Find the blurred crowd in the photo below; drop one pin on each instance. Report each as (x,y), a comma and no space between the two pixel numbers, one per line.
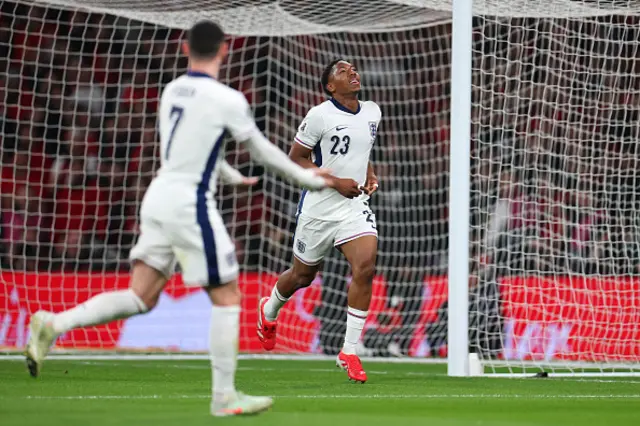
(554,130)
(78,135)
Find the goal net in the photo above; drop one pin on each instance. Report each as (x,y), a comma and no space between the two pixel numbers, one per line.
(554,232)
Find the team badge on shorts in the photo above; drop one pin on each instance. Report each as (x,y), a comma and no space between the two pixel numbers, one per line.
(301,246)
(373,129)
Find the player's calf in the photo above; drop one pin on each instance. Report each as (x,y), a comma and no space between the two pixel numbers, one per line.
(362,273)
(361,254)
(299,276)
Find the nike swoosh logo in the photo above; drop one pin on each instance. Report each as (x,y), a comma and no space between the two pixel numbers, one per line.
(340,128)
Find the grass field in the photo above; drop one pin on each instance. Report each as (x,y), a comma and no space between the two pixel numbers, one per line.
(162,393)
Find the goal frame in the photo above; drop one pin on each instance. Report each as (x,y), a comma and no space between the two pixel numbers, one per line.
(459,188)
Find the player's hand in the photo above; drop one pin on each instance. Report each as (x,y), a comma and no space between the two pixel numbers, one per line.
(326,176)
(371,185)
(348,188)
(249,181)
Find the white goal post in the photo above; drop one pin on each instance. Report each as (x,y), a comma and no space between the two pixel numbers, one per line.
(507,157)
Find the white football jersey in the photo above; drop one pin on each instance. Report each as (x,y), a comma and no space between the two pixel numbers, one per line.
(341,141)
(195,111)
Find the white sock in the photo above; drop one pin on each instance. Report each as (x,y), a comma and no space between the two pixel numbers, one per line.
(355,323)
(100,309)
(274,304)
(223,348)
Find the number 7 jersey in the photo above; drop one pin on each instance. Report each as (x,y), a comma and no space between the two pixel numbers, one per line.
(195,113)
(341,140)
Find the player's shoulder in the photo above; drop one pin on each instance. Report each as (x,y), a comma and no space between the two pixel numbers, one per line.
(318,113)
(371,107)
(321,109)
(208,87)
(232,96)
(225,94)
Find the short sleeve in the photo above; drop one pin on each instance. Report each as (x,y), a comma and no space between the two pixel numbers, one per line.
(310,130)
(240,120)
(378,111)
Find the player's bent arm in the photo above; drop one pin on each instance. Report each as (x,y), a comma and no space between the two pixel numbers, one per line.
(371,185)
(274,159)
(370,172)
(301,155)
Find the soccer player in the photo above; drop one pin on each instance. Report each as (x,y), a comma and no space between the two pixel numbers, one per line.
(338,134)
(179,221)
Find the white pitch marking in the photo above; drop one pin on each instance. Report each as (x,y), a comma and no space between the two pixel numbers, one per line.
(371,396)
(587,380)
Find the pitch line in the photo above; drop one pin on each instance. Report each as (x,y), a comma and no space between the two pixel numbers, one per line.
(331,396)
(333,370)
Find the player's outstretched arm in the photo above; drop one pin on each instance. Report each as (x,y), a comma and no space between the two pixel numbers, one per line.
(233,177)
(301,155)
(243,128)
(277,161)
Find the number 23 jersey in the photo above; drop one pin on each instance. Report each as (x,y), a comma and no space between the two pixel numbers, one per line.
(341,140)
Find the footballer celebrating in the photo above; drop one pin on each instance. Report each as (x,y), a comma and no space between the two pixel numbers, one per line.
(179,220)
(338,134)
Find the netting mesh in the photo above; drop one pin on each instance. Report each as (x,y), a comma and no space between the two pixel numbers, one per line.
(554,130)
(273,17)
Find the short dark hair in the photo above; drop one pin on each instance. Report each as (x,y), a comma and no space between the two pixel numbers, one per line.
(324,80)
(205,38)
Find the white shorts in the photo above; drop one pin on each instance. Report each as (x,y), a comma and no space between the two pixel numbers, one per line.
(315,237)
(206,254)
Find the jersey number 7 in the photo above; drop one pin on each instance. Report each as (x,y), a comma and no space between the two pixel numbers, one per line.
(175,117)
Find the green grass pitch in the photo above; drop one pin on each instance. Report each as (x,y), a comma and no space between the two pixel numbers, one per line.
(162,393)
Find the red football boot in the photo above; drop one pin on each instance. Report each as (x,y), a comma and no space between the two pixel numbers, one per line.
(352,365)
(266,330)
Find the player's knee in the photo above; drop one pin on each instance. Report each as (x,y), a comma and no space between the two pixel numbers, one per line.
(225,295)
(149,299)
(231,295)
(364,271)
(147,283)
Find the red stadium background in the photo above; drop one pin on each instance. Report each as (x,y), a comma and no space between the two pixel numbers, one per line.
(567,318)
